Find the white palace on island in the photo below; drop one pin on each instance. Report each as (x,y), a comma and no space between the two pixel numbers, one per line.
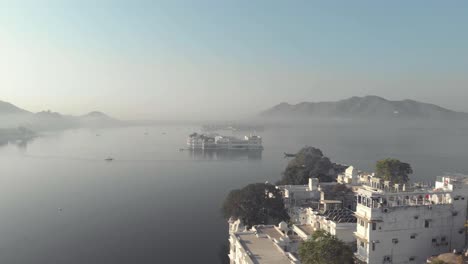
(382,222)
(214,141)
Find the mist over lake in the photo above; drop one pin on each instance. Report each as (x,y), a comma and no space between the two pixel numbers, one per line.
(62,203)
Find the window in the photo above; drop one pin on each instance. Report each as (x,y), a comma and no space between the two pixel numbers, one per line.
(374,226)
(412,258)
(426,223)
(413,236)
(443,239)
(416,217)
(387,259)
(361,222)
(362,244)
(434,240)
(455,213)
(373,246)
(395,241)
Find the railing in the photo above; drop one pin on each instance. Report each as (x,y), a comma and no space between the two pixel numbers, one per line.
(361,254)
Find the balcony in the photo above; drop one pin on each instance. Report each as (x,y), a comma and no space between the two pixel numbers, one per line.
(361,254)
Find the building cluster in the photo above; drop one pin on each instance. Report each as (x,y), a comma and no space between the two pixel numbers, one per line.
(215,141)
(382,222)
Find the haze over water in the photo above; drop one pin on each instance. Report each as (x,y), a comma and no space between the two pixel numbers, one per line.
(62,203)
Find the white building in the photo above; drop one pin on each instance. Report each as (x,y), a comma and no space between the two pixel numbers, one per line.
(318,196)
(201,141)
(398,224)
(214,141)
(353,176)
(338,222)
(299,195)
(248,142)
(350,176)
(266,244)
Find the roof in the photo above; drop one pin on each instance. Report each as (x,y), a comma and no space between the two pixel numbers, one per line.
(340,215)
(330,202)
(307,229)
(262,249)
(270,231)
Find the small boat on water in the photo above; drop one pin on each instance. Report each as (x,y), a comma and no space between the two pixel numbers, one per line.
(109,159)
(289,155)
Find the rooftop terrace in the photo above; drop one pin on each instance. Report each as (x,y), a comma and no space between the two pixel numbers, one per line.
(261,245)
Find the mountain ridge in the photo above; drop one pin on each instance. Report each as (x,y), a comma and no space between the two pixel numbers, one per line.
(370,106)
(12,116)
(9,108)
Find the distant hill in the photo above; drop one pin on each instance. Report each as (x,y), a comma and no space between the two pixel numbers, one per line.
(96,115)
(12,116)
(363,107)
(7,108)
(97,119)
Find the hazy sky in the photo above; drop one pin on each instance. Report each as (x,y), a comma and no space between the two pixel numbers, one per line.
(184,59)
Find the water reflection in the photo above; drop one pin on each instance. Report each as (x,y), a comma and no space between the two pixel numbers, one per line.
(225,154)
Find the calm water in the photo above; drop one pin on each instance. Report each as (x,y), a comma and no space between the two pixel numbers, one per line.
(154,204)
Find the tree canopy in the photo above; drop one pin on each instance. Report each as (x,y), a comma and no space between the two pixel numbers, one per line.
(308,163)
(324,248)
(341,193)
(258,203)
(393,170)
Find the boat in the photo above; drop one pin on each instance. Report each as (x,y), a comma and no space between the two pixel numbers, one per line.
(289,155)
(109,159)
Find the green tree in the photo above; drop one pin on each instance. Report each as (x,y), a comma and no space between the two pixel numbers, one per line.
(324,248)
(308,163)
(258,203)
(393,170)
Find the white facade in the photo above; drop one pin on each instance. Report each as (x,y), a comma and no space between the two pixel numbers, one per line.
(353,176)
(302,193)
(202,141)
(340,223)
(397,225)
(318,196)
(350,176)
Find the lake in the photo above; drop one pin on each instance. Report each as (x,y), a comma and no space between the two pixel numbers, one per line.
(62,203)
